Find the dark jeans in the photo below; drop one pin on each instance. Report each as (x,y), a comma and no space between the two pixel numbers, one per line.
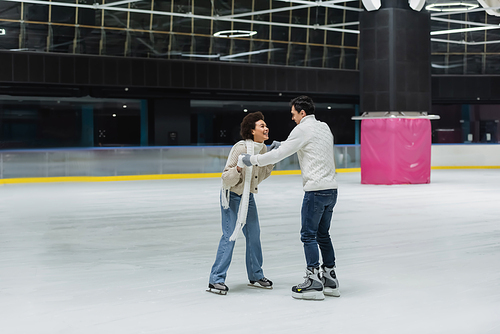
(317,211)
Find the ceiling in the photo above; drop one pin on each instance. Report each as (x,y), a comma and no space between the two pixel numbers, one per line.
(283,32)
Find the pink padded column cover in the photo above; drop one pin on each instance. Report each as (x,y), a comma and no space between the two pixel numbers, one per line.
(395,151)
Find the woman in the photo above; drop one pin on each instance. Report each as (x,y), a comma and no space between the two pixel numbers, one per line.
(235,212)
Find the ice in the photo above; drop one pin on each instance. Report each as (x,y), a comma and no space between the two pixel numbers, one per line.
(134,257)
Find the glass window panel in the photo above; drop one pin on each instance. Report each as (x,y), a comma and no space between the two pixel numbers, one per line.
(203,27)
(159,45)
(474,64)
(332,57)
(141,44)
(492,64)
(89,42)
(438,64)
(241,26)
(62,38)
(278,57)
(221,45)
(297,55)
(299,35)
(439,47)
(299,16)
(37,13)
(279,33)
(282,17)
(115,43)
(140,21)
(181,24)
(350,59)
(36,37)
(88,17)
(315,56)
(456,64)
(180,44)
(240,50)
(351,39)
(316,36)
(202,47)
(162,22)
(456,48)
(10,10)
(10,40)
(262,31)
(115,19)
(63,14)
(333,38)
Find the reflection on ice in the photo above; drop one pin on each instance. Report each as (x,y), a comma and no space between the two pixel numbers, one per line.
(134,257)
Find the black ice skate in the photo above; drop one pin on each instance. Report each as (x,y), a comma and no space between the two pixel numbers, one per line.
(262,283)
(330,282)
(312,288)
(218,288)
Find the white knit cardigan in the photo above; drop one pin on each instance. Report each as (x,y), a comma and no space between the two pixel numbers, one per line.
(251,148)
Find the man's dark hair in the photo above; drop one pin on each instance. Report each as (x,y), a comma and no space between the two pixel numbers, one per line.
(303,103)
(248,124)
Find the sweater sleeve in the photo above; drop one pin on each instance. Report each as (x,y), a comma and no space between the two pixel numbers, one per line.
(291,145)
(230,175)
(266,170)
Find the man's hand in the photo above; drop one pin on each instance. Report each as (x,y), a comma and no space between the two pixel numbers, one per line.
(274,145)
(245,159)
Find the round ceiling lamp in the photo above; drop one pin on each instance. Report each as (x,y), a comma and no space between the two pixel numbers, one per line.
(451,6)
(235,33)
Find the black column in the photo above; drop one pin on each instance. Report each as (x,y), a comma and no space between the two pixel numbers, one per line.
(172,122)
(395,67)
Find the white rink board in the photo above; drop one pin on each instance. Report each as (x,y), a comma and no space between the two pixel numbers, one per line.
(465,155)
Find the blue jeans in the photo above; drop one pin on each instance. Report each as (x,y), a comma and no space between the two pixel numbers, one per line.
(251,230)
(317,211)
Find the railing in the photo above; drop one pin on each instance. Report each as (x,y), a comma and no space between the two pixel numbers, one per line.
(137,161)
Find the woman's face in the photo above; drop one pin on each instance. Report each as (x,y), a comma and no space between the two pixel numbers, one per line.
(261,132)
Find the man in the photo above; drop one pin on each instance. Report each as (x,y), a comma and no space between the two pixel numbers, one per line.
(312,140)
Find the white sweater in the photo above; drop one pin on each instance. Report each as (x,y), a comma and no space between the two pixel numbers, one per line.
(313,142)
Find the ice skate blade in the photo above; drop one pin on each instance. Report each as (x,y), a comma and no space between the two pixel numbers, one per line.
(217,292)
(255,285)
(313,295)
(332,292)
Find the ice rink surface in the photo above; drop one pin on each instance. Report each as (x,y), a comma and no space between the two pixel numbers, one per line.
(134,257)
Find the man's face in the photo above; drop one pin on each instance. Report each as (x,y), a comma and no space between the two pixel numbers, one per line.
(297,115)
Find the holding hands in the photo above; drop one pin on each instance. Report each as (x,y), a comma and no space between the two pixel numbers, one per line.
(244,160)
(240,163)
(274,145)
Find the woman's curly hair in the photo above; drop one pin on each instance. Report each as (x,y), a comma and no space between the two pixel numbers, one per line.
(248,124)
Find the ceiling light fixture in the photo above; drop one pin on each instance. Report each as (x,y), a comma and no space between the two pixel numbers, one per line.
(454,31)
(2,32)
(235,33)
(451,6)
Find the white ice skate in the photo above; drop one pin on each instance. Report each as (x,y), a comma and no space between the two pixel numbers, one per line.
(330,282)
(312,288)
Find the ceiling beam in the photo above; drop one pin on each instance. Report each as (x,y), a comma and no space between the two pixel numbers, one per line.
(188,15)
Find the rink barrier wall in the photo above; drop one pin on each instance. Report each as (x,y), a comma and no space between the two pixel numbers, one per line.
(188,162)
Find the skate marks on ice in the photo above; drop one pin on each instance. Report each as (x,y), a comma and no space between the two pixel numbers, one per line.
(134,257)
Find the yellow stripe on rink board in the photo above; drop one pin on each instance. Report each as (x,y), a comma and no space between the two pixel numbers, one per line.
(465,167)
(182,176)
(141,177)
(108,178)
